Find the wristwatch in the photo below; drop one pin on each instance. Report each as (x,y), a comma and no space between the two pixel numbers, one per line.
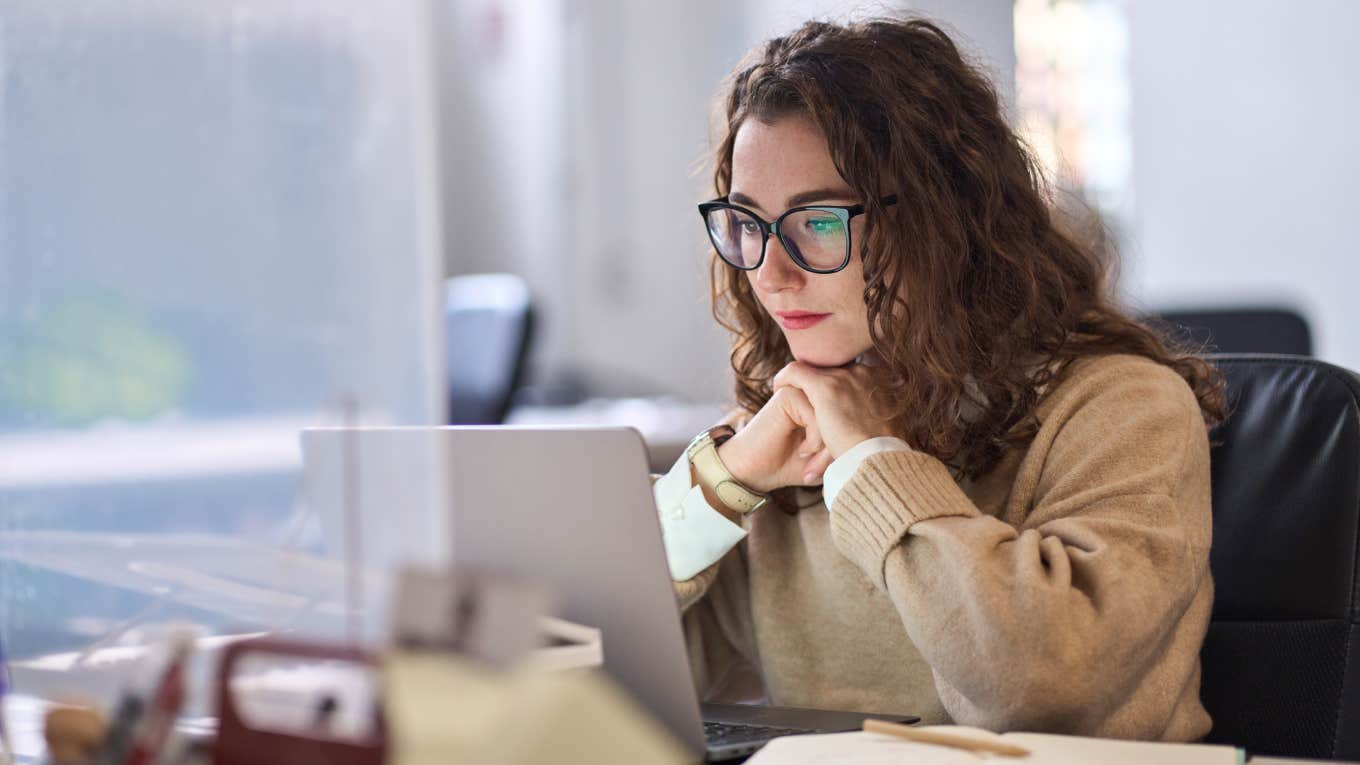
(703,455)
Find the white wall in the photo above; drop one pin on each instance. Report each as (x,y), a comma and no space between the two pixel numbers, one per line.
(643,79)
(1246,159)
(985,29)
(503,114)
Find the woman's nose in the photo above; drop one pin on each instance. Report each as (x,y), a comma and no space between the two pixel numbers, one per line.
(778,272)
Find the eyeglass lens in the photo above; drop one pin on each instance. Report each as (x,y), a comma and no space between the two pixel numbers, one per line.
(816,237)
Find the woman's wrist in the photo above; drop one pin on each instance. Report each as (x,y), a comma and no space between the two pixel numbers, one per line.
(733,458)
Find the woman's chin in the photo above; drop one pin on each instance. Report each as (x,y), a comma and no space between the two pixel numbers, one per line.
(825,357)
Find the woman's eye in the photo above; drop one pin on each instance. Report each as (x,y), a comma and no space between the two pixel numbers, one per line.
(825,226)
(750,228)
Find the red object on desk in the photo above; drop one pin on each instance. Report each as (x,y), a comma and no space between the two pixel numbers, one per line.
(238,744)
(165,707)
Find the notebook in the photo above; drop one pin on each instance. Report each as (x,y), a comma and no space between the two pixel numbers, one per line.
(862,748)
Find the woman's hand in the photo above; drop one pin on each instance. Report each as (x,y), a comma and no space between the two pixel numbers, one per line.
(841,403)
(780,446)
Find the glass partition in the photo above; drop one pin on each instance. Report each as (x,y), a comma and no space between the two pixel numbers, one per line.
(217,226)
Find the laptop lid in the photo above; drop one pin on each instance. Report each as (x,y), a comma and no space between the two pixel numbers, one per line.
(572,507)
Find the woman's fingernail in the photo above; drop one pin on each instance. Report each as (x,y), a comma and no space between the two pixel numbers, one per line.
(809,477)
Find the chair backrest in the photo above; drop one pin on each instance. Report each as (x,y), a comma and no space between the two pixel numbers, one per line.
(1242,330)
(1282,659)
(488,326)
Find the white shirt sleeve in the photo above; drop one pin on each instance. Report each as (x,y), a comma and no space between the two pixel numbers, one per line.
(843,468)
(696,536)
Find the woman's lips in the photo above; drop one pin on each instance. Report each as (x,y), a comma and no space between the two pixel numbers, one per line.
(799,319)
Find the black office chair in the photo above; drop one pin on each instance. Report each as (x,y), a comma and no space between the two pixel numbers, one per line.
(1282,657)
(1241,330)
(488,326)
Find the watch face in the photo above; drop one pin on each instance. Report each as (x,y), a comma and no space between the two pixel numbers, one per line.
(716,434)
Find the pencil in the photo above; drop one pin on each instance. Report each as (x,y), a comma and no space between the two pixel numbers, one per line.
(942,738)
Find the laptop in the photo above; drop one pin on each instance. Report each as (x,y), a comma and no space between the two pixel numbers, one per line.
(572,507)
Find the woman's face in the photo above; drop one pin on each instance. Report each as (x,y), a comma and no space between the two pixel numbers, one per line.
(788,164)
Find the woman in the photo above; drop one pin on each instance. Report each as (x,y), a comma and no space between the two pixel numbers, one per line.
(1013,523)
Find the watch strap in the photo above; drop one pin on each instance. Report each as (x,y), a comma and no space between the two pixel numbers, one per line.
(703,455)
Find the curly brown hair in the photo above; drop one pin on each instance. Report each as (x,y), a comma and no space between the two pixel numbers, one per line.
(1004,295)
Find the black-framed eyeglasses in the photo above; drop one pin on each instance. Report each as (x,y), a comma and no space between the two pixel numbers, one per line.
(817,237)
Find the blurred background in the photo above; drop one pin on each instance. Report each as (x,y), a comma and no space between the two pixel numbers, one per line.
(225,220)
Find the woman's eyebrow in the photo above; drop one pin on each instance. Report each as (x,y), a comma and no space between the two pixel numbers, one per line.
(799,199)
(738,198)
(820,195)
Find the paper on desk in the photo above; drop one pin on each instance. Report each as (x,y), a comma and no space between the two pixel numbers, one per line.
(857,748)
(860,748)
(441,709)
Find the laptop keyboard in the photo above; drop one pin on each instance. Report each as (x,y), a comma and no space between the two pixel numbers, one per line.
(717,733)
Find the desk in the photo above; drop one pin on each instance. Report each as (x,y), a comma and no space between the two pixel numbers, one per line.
(25,716)
(1290,761)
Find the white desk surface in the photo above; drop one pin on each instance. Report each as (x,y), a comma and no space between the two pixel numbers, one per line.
(1288,761)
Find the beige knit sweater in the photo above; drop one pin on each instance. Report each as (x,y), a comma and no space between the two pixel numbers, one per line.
(1068,590)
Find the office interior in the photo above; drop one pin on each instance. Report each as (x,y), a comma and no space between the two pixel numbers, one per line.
(224,222)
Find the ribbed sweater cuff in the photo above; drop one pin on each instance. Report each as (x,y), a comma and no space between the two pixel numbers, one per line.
(888,493)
